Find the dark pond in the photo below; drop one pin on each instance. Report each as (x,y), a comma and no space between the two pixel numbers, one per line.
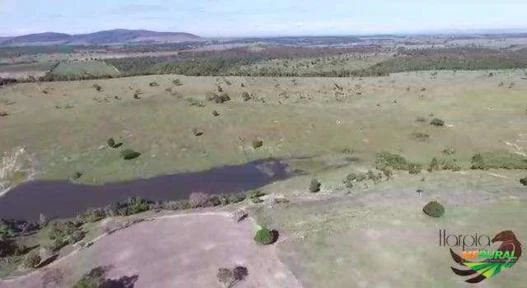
(66,199)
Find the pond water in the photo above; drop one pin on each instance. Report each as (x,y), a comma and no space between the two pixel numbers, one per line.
(66,199)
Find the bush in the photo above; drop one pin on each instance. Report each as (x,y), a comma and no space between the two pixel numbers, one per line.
(477,162)
(221,98)
(63,233)
(93,279)
(215,113)
(111,142)
(257,144)
(129,154)
(246,96)
(374,177)
(264,236)
(31,260)
(314,186)
(434,165)
(386,159)
(76,175)
(387,172)
(93,215)
(499,160)
(197,132)
(136,205)
(198,199)
(97,87)
(524,181)
(153,84)
(240,273)
(437,122)
(236,198)
(434,209)
(177,82)
(225,277)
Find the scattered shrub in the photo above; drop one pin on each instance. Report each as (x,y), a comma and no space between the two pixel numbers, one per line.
(76,175)
(3,113)
(523,181)
(257,143)
(221,98)
(31,260)
(414,168)
(137,94)
(112,144)
(239,215)
(97,87)
(196,103)
(153,84)
(246,96)
(449,151)
(215,113)
(350,178)
(420,119)
(434,209)
(434,165)
(314,186)
(373,176)
(437,122)
(197,132)
(129,154)
(264,236)
(177,82)
(421,137)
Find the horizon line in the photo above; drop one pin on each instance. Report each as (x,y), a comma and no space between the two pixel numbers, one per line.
(473,31)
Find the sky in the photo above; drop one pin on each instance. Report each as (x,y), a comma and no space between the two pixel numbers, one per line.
(232,18)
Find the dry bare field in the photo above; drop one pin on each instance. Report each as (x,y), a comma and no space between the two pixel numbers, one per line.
(172,251)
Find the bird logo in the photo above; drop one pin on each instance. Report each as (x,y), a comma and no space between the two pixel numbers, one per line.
(488,264)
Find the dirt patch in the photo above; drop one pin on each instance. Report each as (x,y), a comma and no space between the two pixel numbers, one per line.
(172,251)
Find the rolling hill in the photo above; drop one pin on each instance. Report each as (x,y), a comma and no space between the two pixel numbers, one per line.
(109,37)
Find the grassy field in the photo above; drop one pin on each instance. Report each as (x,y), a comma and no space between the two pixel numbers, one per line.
(83,69)
(294,117)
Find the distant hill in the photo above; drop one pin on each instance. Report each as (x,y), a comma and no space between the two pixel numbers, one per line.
(110,37)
